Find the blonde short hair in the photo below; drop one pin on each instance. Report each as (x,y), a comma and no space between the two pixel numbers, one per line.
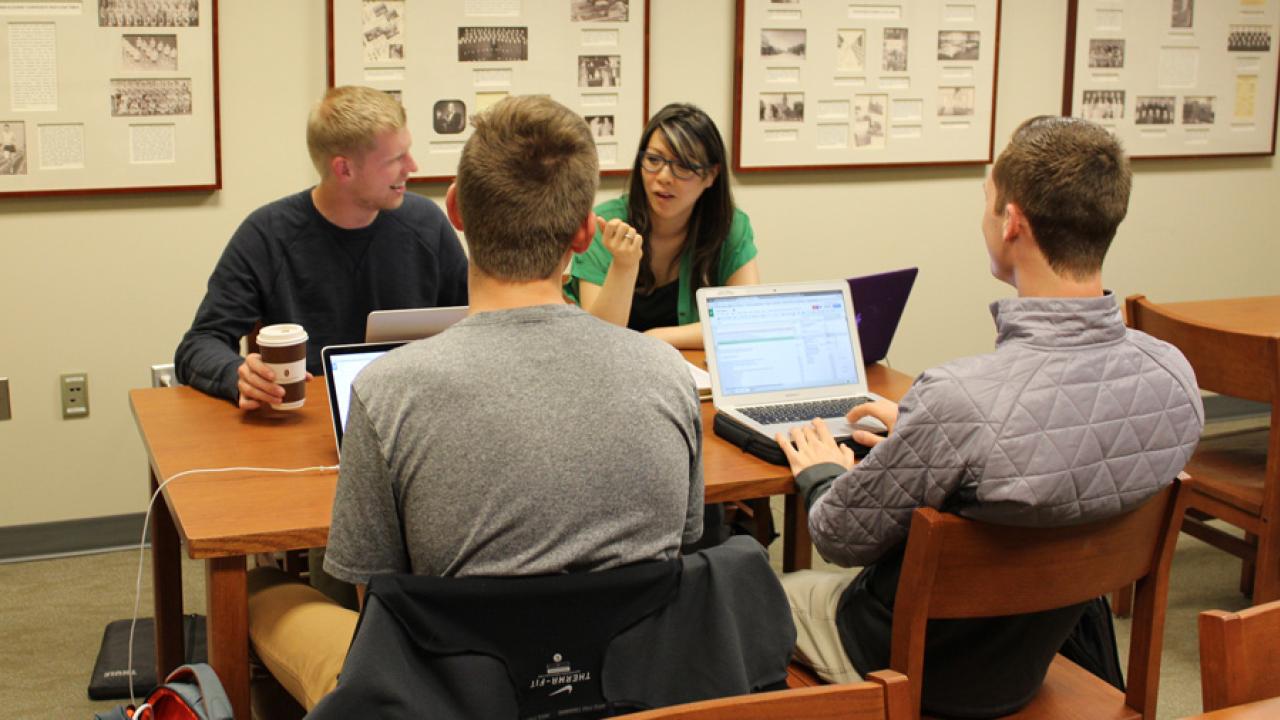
(347,121)
(526,181)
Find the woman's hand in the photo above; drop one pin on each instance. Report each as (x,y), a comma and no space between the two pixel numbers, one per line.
(622,241)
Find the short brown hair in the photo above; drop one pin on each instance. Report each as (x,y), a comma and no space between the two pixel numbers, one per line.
(1071,179)
(347,121)
(526,181)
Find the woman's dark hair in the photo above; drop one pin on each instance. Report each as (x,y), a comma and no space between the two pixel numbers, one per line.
(695,141)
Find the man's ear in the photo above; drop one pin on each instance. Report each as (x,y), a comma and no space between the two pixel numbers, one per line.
(1015,222)
(451,207)
(583,236)
(340,167)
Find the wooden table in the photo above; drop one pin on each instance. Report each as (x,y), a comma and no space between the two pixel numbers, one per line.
(226,516)
(1252,315)
(1268,709)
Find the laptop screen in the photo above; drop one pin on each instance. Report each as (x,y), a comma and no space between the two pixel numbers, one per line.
(784,341)
(342,363)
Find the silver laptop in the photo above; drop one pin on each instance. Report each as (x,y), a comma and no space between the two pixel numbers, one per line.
(342,363)
(411,323)
(781,355)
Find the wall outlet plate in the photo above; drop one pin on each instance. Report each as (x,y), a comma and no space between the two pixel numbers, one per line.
(75,395)
(163,375)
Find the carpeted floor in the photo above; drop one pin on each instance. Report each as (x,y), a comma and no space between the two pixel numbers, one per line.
(52,613)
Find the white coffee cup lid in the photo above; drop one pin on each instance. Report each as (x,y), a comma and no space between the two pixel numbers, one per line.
(282,334)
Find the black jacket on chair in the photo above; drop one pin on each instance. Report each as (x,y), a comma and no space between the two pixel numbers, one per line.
(580,645)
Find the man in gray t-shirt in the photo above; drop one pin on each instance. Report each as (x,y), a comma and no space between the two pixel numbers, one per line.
(531,438)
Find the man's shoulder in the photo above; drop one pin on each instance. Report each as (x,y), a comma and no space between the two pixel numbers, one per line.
(280,219)
(417,215)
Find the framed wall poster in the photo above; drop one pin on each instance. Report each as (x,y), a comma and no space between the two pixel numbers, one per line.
(448,59)
(108,96)
(1176,78)
(864,83)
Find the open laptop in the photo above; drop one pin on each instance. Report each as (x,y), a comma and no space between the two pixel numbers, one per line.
(342,363)
(880,300)
(410,323)
(781,355)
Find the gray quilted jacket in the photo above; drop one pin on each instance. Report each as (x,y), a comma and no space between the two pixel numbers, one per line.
(1072,419)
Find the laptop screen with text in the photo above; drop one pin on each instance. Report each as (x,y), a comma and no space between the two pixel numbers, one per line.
(785,341)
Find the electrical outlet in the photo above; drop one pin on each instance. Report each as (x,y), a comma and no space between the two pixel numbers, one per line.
(5,411)
(75,395)
(163,375)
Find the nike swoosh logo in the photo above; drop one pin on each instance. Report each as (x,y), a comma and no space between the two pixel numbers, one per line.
(565,689)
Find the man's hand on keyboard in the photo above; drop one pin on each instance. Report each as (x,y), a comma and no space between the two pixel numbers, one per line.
(882,410)
(811,444)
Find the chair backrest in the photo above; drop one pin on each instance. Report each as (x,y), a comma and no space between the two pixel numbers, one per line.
(1225,361)
(884,696)
(958,568)
(1239,654)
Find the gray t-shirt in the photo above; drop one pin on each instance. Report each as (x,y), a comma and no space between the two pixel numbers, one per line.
(518,442)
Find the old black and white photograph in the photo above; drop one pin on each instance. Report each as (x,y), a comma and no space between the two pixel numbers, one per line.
(148,13)
(1197,110)
(1103,104)
(599,10)
(449,117)
(869,113)
(493,44)
(149,53)
(382,23)
(782,44)
(1249,38)
(958,45)
(599,70)
(1106,53)
(1182,13)
(782,107)
(851,50)
(1154,110)
(135,97)
(601,126)
(894,51)
(955,101)
(13,147)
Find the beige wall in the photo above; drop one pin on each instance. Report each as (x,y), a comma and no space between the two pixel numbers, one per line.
(107,285)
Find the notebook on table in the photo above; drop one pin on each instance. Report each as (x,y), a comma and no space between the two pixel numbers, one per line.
(880,300)
(411,323)
(342,363)
(782,355)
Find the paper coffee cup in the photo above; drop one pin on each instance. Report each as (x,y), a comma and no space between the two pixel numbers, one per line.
(284,350)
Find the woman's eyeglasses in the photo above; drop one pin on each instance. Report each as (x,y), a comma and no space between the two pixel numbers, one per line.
(652,163)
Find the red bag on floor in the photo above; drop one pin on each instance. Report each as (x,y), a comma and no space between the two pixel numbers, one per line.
(191,692)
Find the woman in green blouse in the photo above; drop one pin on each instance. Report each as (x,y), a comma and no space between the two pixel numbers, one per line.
(675,230)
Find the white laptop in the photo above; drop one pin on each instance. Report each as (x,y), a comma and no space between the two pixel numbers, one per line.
(781,355)
(342,363)
(411,323)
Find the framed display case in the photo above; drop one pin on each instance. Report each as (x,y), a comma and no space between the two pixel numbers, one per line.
(1175,78)
(864,84)
(107,96)
(448,59)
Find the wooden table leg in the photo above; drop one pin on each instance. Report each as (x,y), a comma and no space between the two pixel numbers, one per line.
(166,578)
(228,602)
(797,548)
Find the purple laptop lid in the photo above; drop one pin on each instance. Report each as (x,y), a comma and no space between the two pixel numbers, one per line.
(878,301)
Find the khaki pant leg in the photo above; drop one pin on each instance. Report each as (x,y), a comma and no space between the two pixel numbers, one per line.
(814,597)
(300,635)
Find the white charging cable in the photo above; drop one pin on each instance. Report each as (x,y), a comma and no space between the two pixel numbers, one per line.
(142,545)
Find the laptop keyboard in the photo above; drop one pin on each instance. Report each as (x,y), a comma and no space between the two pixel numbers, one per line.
(799,412)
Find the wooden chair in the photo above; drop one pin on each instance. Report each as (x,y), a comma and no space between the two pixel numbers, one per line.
(884,696)
(1235,477)
(1239,656)
(958,568)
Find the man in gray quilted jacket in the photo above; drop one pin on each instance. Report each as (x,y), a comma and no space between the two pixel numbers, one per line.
(1072,419)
